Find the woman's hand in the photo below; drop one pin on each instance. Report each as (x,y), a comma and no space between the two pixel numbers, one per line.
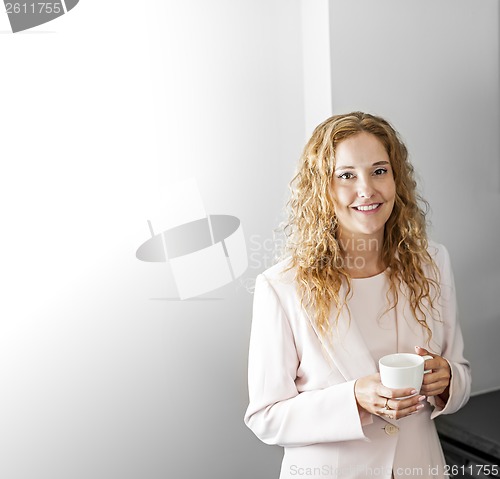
(437,382)
(375,398)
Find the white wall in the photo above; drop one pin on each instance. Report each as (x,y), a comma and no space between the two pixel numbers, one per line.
(432,69)
(316,63)
(101,375)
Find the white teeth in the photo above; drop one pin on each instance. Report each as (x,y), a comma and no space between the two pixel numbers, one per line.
(367,208)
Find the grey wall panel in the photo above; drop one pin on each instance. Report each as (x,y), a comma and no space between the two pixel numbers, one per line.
(432,69)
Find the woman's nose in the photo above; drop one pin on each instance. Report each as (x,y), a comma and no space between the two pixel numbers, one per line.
(365,188)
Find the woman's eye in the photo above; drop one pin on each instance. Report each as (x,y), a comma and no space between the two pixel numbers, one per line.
(380,171)
(346,176)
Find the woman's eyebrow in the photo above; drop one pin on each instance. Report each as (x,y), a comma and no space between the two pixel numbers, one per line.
(377,163)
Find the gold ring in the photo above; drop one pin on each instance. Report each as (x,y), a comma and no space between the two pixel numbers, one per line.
(386,407)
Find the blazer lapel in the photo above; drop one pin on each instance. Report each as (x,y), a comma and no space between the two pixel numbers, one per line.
(345,346)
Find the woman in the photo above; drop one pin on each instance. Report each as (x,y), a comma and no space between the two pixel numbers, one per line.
(360,281)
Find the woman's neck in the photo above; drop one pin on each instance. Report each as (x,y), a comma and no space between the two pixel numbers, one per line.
(362,254)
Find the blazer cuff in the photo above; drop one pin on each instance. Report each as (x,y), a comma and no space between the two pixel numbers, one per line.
(365,417)
(356,418)
(459,391)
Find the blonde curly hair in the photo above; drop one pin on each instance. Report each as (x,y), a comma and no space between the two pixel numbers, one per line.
(311,229)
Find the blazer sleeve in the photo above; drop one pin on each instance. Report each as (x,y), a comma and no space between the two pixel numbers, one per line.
(453,343)
(277,413)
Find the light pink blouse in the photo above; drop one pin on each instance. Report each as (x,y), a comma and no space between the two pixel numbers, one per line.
(369,306)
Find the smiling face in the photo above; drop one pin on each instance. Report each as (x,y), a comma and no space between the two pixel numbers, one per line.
(362,188)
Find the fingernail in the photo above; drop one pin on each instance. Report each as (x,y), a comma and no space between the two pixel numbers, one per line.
(413,391)
(421,398)
(420,406)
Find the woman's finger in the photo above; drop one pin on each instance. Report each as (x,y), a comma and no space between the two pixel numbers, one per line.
(397,409)
(400,412)
(402,404)
(395,393)
(434,388)
(430,378)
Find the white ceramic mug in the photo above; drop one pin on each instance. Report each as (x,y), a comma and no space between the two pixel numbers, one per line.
(402,370)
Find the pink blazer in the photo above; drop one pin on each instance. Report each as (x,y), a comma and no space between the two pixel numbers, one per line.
(301,387)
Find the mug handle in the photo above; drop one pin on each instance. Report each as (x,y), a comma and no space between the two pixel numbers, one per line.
(424,358)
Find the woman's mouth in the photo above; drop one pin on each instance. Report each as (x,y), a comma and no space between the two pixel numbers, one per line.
(368,208)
